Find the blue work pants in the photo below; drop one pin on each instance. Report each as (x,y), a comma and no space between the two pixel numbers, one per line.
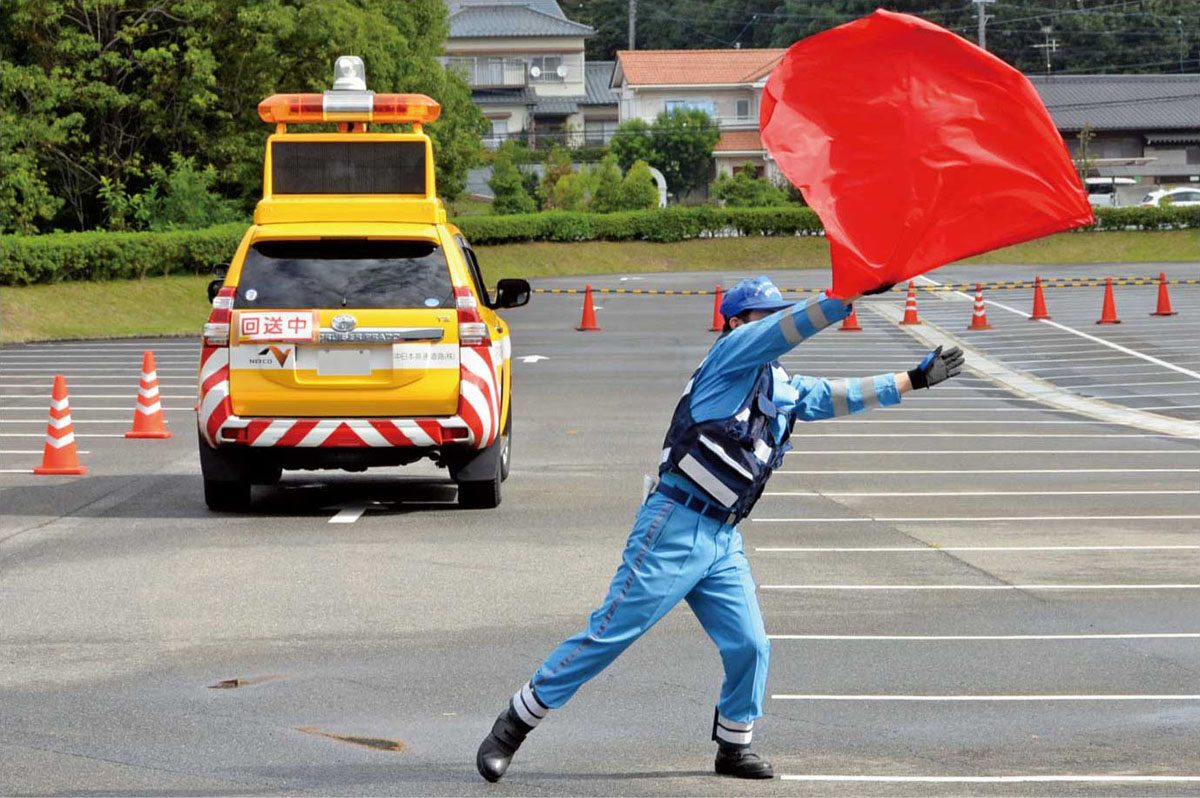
(673,553)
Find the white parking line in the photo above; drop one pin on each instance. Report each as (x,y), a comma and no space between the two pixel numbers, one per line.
(85,370)
(349,514)
(1133,384)
(896,494)
(896,472)
(1089,779)
(78,435)
(970,518)
(935,549)
(124,420)
(1053,697)
(1162,586)
(989,638)
(77,395)
(988,434)
(925,452)
(989,423)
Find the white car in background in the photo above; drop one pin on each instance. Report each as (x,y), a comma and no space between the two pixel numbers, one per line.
(1176,197)
(1102,191)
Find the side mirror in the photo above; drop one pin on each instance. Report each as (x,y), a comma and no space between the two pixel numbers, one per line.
(219,271)
(512,293)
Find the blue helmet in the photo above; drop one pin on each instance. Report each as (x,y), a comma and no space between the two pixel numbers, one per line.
(753,293)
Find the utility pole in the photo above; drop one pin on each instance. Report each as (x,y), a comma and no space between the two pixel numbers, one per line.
(982,16)
(1049,46)
(632,24)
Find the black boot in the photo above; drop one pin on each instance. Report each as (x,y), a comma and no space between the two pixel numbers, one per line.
(740,762)
(497,749)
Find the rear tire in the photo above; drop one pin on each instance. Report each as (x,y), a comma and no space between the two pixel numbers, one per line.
(506,453)
(484,494)
(227,497)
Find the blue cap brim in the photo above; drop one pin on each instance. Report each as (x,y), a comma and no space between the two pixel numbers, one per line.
(769,306)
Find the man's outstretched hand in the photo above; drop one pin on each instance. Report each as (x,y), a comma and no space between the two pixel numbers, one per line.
(937,366)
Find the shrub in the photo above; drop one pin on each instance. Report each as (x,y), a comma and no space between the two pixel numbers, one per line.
(508,185)
(558,166)
(607,188)
(573,192)
(745,189)
(57,257)
(637,191)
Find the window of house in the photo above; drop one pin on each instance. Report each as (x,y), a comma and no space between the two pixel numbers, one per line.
(544,68)
(499,133)
(708,106)
(743,109)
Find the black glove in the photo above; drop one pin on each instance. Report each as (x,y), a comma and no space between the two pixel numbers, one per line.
(883,289)
(937,366)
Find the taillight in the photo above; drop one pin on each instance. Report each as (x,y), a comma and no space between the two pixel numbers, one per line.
(471,329)
(216,329)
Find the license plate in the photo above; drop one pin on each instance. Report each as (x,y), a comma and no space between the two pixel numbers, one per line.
(343,362)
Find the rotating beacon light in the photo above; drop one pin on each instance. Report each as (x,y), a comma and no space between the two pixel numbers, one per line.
(349,101)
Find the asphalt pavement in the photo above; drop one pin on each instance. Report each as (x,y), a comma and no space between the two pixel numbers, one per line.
(973,593)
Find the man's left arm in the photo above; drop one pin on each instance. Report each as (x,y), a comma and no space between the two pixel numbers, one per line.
(821,398)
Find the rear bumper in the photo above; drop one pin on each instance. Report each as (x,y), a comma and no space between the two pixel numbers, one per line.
(309,433)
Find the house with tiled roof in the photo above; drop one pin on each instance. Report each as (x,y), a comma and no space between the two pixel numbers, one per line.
(524,61)
(728,84)
(1142,126)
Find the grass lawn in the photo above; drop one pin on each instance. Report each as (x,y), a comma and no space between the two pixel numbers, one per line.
(166,305)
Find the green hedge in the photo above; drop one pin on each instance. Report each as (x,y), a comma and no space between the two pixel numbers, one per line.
(56,257)
(25,260)
(668,224)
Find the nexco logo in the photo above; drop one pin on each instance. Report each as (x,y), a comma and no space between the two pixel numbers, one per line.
(271,356)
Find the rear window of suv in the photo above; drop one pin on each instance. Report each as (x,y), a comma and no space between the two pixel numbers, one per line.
(345,273)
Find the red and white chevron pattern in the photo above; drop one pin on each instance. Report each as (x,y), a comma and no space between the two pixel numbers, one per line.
(343,432)
(214,407)
(479,392)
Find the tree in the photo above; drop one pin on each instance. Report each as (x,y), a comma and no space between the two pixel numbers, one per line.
(103,91)
(508,185)
(679,144)
(558,166)
(683,142)
(606,194)
(638,191)
(745,189)
(631,142)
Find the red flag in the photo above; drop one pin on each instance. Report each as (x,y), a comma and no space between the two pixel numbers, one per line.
(916,148)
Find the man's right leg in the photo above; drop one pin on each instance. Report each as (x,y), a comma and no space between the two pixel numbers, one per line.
(660,565)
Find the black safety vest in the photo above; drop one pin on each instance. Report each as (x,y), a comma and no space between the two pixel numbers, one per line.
(730,459)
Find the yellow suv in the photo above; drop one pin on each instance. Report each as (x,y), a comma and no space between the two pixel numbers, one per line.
(353,327)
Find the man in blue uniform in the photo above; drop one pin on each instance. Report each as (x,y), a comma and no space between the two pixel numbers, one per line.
(729,431)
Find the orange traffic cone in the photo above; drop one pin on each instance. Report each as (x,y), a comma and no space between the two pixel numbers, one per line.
(850,323)
(718,322)
(910,306)
(1164,299)
(587,323)
(1108,314)
(979,316)
(59,455)
(1039,301)
(148,421)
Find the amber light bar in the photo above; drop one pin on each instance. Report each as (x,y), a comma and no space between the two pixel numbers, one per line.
(348,106)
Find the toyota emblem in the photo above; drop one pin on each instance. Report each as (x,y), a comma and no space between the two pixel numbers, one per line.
(344,323)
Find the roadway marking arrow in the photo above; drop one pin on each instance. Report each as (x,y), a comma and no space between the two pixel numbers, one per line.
(533,358)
